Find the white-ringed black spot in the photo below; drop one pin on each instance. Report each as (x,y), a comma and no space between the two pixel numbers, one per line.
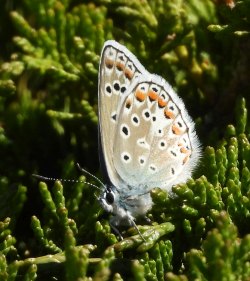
(155,89)
(123,89)
(108,89)
(162,144)
(160,132)
(135,119)
(125,132)
(172,171)
(126,157)
(141,160)
(117,86)
(154,118)
(146,114)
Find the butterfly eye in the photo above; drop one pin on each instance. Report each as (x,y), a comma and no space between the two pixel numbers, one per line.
(110,197)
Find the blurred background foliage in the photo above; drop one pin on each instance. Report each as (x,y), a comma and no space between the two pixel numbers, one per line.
(49,56)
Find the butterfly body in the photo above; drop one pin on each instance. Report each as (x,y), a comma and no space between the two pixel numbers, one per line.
(124,207)
(146,136)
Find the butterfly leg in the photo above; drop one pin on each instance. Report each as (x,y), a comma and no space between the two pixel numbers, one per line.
(136,227)
(114,222)
(147,220)
(132,222)
(113,225)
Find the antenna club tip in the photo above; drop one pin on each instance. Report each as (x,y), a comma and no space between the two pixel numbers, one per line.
(36,176)
(78,166)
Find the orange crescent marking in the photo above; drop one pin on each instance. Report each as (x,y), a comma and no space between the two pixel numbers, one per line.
(128,73)
(140,96)
(152,95)
(184,150)
(169,114)
(109,63)
(128,104)
(176,130)
(185,159)
(120,66)
(161,102)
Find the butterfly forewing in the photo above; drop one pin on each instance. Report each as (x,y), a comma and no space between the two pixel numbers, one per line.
(118,70)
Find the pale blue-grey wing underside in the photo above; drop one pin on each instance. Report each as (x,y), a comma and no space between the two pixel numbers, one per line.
(146,136)
(155,143)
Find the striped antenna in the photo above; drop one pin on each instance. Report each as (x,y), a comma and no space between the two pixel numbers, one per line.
(71,180)
(88,173)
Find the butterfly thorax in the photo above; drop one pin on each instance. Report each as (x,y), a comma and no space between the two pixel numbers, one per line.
(125,206)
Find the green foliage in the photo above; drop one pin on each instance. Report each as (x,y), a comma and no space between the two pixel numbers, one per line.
(49,60)
(237,19)
(223,255)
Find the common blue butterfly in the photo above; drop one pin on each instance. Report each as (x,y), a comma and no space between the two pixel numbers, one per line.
(146,137)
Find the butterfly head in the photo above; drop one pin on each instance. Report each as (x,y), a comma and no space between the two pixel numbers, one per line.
(109,198)
(123,205)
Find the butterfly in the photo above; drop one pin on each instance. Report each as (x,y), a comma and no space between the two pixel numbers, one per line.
(146,137)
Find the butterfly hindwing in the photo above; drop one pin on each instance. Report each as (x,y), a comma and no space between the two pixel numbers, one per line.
(152,145)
